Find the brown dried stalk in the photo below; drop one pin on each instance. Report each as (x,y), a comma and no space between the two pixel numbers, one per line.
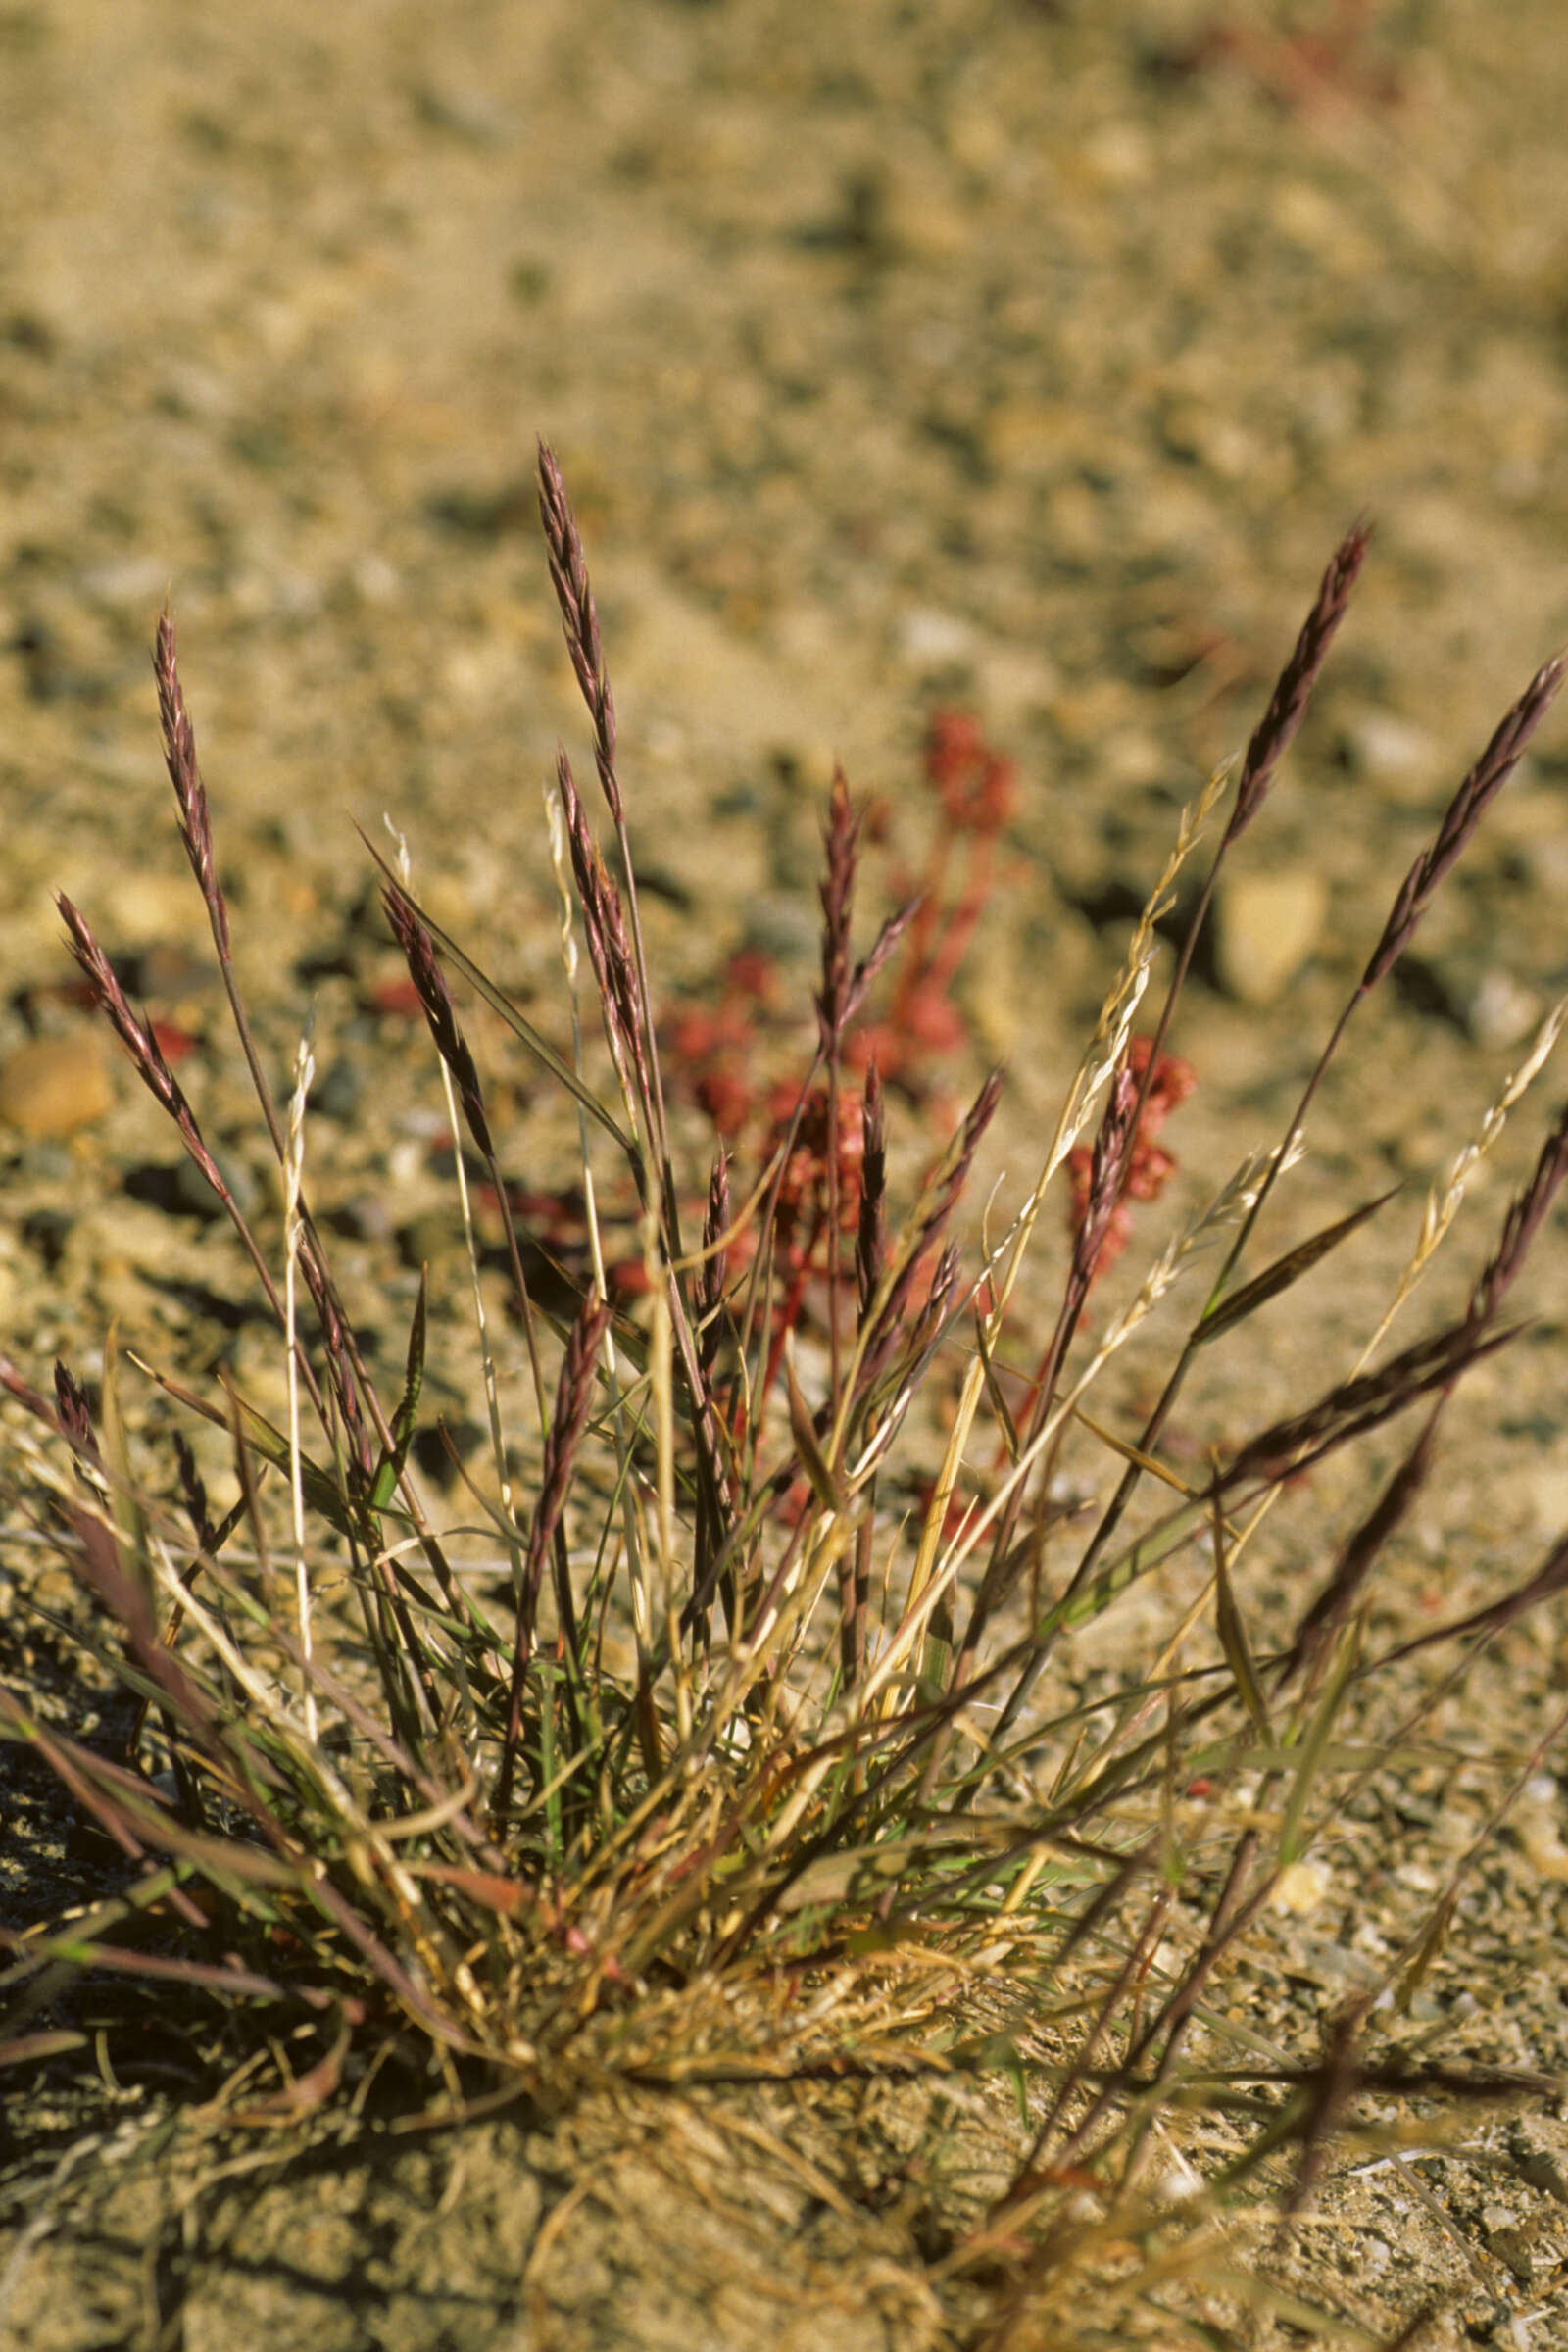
(931,1324)
(715,1262)
(620,978)
(942,1195)
(1293,1445)
(877,955)
(870,1241)
(624,954)
(888,1312)
(418,952)
(1276,728)
(1271,739)
(712,1321)
(96,1785)
(1527,1213)
(1464,813)
(193,1494)
(871,1247)
(179,754)
(75,1416)
(142,1044)
(1108,1171)
(1167,2027)
(1031,2176)
(610,953)
(841,841)
(568,572)
(1315,1634)
(842,994)
(196,831)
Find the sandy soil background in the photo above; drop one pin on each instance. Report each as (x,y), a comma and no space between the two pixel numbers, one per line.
(1028,357)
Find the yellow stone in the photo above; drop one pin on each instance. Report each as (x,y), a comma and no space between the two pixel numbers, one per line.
(55,1085)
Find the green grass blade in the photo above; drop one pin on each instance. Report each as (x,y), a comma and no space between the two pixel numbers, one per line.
(389,1469)
(1313,1749)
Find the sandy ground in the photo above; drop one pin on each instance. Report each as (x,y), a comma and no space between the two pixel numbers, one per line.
(1027,357)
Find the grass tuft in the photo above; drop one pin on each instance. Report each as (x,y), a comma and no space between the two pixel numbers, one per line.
(763,1754)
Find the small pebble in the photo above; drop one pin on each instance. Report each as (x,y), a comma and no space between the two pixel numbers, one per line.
(1501,1008)
(1540,2148)
(1511,2241)
(1302,1886)
(927,635)
(1391,752)
(56,1085)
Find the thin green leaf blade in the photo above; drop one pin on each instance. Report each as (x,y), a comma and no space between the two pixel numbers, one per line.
(389,1469)
(1232,1639)
(1314,1746)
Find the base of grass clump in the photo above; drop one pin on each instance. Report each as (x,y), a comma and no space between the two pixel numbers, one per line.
(759,1755)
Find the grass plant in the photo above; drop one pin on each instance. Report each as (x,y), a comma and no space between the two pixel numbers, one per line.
(843,1811)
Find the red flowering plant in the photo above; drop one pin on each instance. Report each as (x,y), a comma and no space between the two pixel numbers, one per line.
(714,1051)
(976,787)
